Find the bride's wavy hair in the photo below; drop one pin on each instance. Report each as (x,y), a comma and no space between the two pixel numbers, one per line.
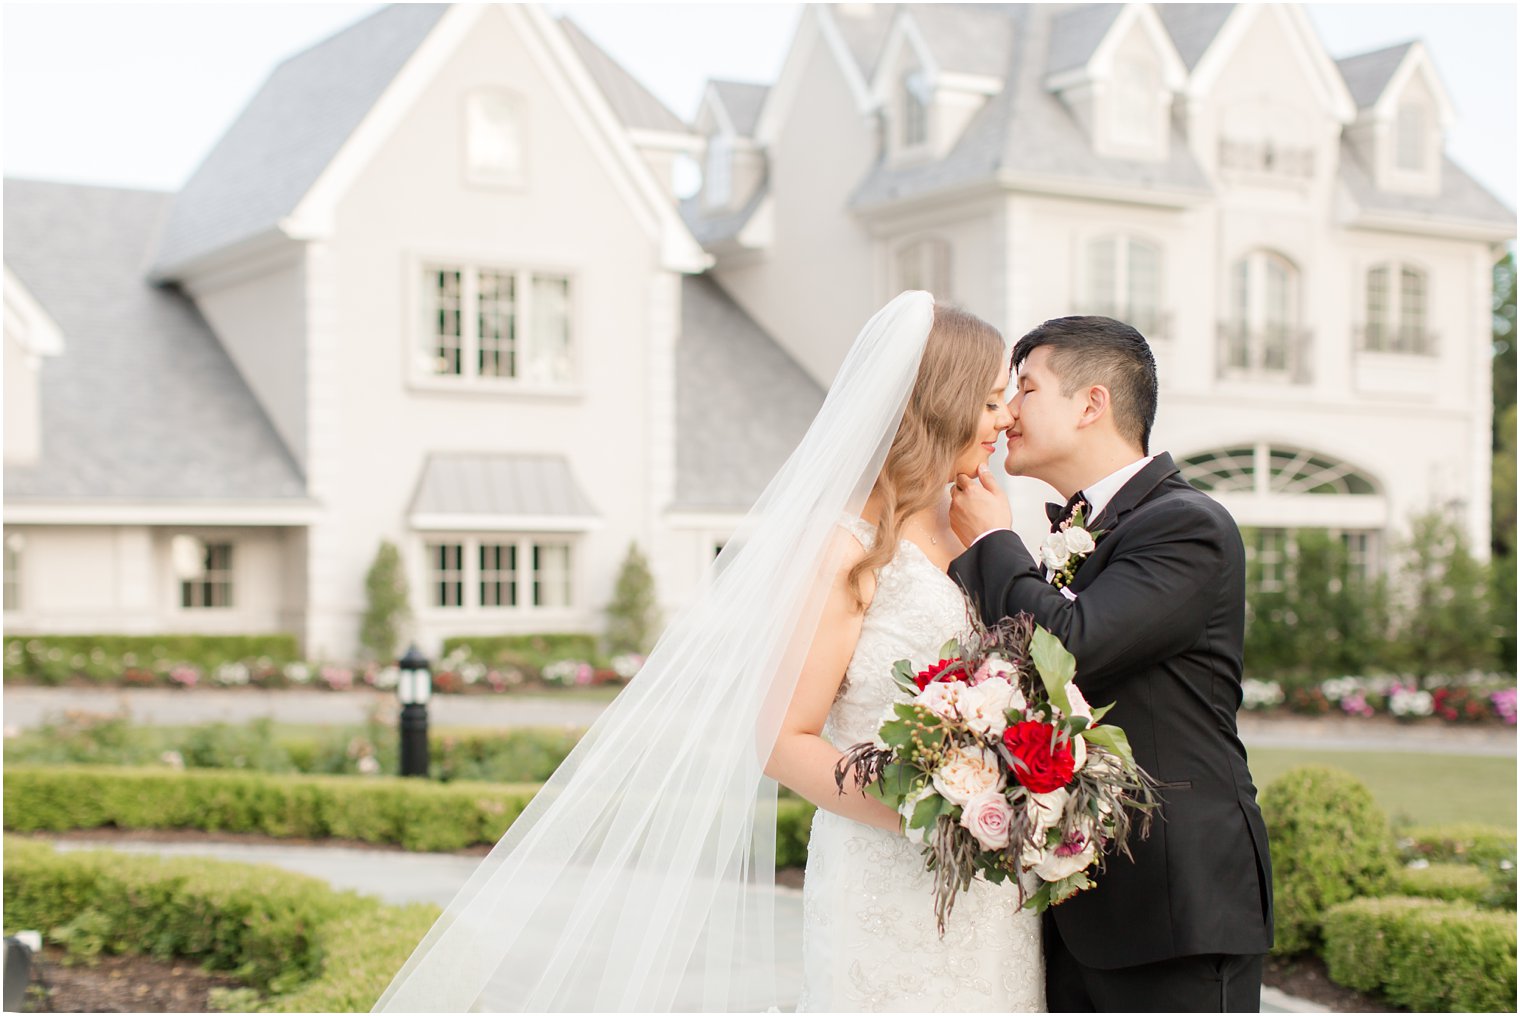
(963,356)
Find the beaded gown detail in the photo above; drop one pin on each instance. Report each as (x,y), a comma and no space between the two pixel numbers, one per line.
(870,943)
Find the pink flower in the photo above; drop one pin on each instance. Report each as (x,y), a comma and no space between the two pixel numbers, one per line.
(940,698)
(988,818)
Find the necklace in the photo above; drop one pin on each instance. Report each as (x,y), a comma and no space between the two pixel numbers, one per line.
(933,540)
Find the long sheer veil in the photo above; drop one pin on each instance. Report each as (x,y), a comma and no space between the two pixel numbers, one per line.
(641,877)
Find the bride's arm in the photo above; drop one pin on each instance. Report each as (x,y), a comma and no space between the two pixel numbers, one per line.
(802,760)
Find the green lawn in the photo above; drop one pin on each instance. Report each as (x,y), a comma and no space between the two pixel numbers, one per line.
(1414,789)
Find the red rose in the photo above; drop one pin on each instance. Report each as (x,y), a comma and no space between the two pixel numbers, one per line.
(1043,769)
(937,672)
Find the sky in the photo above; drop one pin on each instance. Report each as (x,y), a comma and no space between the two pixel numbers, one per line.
(136,94)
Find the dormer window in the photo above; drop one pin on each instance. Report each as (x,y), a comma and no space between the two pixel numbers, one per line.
(1411,137)
(718,177)
(1136,88)
(494,137)
(915,110)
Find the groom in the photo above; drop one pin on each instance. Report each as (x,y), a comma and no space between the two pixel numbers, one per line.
(1155,616)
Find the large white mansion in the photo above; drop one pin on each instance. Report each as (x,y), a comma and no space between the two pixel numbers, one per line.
(434,286)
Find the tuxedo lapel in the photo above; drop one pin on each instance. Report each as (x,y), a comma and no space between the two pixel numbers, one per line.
(1133,494)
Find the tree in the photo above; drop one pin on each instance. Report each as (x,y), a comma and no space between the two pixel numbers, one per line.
(633,616)
(1504,337)
(388,611)
(1444,620)
(1504,549)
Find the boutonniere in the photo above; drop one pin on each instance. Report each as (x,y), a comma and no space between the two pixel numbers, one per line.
(1065,549)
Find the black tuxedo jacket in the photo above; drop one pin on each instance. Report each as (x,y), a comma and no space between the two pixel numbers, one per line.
(1158,629)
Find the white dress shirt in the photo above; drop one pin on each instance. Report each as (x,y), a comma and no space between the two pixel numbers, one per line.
(1099,494)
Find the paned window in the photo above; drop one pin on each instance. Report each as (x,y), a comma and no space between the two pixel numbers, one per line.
(1396,318)
(1266,469)
(212,590)
(499,324)
(1124,282)
(446,574)
(551,575)
(915,109)
(1263,335)
(1137,88)
(498,574)
(13,545)
(1410,130)
(1271,559)
(925,264)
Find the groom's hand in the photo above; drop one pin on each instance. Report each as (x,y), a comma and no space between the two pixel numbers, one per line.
(978,505)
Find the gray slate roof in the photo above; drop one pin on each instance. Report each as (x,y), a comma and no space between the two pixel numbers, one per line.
(143,404)
(712,229)
(497,485)
(965,38)
(1076,34)
(1461,199)
(742,403)
(634,104)
(1193,27)
(1028,130)
(1367,74)
(289,132)
(743,102)
(864,28)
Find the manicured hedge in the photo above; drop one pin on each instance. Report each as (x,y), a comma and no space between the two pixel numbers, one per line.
(52,659)
(536,651)
(1451,882)
(1425,955)
(1330,843)
(1470,843)
(416,814)
(291,937)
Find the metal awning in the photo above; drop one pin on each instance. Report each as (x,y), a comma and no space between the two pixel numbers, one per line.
(518,492)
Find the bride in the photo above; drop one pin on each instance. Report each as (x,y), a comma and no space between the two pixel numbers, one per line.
(641,877)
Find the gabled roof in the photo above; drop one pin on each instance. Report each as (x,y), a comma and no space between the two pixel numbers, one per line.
(1460,201)
(633,104)
(742,102)
(1027,130)
(290,131)
(1076,34)
(1193,27)
(742,404)
(965,38)
(1368,74)
(143,404)
(863,28)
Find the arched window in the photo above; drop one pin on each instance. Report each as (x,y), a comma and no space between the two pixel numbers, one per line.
(494,142)
(1396,317)
(1266,469)
(1262,336)
(925,264)
(1123,280)
(1410,141)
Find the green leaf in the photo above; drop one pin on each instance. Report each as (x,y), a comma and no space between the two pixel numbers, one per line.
(895,785)
(1114,739)
(1068,887)
(897,733)
(1099,713)
(950,649)
(902,668)
(1056,667)
(1039,900)
(927,812)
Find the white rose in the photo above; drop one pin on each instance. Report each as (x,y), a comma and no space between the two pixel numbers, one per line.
(1079,706)
(967,773)
(1045,810)
(917,836)
(940,697)
(1078,540)
(983,705)
(995,666)
(1064,861)
(989,819)
(1078,753)
(1054,552)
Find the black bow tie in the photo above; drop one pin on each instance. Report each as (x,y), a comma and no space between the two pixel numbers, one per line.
(1060,514)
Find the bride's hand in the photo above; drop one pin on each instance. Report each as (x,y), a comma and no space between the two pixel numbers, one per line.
(978,506)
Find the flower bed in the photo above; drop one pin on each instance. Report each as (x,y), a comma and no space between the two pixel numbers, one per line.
(294,940)
(1469,698)
(483,665)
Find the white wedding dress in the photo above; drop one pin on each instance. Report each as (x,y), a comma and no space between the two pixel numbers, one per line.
(870,943)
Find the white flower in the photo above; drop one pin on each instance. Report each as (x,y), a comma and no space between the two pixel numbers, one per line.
(940,697)
(1079,540)
(1045,810)
(1408,702)
(988,818)
(172,759)
(1078,753)
(983,705)
(1261,694)
(369,765)
(1065,860)
(1054,551)
(916,836)
(967,773)
(1079,706)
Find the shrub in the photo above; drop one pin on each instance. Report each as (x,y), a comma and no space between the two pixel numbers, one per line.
(315,949)
(1450,882)
(386,609)
(633,615)
(1330,843)
(532,651)
(794,823)
(1425,955)
(54,659)
(1470,842)
(413,814)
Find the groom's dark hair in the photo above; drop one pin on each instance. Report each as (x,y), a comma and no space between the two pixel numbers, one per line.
(1101,351)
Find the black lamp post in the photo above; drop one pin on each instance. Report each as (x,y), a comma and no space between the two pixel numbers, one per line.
(414,689)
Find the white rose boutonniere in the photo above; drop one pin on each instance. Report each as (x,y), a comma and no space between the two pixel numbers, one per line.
(1065,549)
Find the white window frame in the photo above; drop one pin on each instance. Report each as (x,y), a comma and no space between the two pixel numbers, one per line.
(523,602)
(1397,318)
(913,113)
(927,263)
(1411,137)
(718,172)
(15,545)
(1271,341)
(474,118)
(212,577)
(1119,301)
(528,347)
(1133,100)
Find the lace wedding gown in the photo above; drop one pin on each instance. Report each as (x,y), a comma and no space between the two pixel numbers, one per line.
(869,938)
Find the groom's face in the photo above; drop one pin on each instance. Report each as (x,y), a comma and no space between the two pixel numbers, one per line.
(1044,430)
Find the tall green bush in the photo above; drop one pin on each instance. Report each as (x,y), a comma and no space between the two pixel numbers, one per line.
(1443,616)
(633,615)
(387,611)
(1330,843)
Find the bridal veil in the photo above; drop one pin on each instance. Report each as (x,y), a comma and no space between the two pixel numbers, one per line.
(641,877)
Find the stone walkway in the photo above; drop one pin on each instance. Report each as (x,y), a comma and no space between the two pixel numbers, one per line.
(398,877)
(29,707)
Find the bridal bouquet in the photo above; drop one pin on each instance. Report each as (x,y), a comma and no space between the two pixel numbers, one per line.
(998,766)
